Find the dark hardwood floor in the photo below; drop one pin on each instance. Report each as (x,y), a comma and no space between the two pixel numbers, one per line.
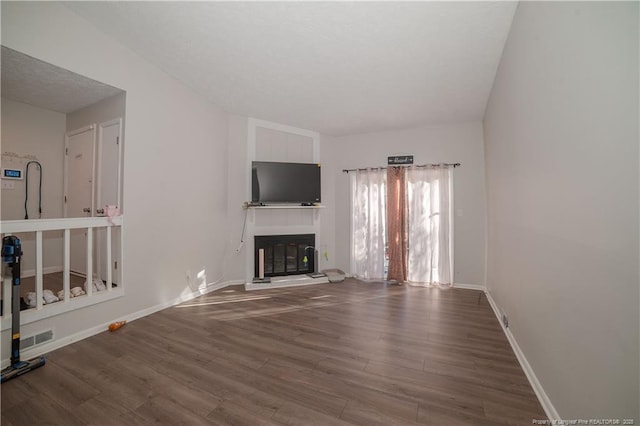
(347,353)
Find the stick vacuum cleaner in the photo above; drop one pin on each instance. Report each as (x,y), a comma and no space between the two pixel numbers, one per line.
(12,254)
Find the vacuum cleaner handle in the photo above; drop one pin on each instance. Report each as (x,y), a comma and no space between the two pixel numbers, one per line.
(11,250)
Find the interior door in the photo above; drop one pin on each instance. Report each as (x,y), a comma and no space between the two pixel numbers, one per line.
(108,191)
(79,176)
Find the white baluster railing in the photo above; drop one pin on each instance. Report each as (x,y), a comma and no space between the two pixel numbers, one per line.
(38,226)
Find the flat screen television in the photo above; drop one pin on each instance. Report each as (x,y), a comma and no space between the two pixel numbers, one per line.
(285,183)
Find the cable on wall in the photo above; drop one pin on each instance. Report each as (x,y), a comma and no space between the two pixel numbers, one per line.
(244,227)
(26,189)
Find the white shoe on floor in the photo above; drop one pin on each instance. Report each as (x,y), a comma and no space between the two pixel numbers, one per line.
(77,291)
(31,299)
(98,285)
(49,297)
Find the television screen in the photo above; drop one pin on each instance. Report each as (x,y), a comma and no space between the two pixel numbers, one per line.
(273,182)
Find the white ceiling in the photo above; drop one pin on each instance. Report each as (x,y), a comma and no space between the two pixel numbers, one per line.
(34,82)
(334,67)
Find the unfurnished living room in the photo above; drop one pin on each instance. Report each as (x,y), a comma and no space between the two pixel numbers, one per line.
(319,213)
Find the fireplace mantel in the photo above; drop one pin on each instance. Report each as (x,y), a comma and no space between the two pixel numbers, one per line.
(284,206)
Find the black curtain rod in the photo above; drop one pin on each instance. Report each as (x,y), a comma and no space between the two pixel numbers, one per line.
(408,165)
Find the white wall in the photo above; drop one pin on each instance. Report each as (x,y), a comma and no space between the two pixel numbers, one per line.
(461,143)
(104,110)
(29,130)
(237,183)
(561,134)
(173,220)
(328,229)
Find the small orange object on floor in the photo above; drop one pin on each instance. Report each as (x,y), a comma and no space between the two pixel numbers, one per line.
(116,325)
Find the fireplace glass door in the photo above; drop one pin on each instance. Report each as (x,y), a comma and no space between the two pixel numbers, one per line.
(286,254)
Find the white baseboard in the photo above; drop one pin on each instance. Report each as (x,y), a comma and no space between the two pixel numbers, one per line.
(37,351)
(546,403)
(470,286)
(48,270)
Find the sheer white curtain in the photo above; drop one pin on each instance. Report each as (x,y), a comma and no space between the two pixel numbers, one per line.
(368,213)
(429,226)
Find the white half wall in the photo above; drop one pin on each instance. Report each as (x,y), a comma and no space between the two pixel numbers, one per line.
(461,143)
(175,165)
(561,135)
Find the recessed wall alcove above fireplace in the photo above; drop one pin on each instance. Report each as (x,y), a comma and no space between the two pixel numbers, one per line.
(289,260)
(285,254)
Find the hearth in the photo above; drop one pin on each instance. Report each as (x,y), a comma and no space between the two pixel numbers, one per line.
(285,254)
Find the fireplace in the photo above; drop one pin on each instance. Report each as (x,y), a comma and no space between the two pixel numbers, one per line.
(285,254)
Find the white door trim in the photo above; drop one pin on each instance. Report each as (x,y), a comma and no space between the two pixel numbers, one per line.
(100,202)
(101,128)
(91,127)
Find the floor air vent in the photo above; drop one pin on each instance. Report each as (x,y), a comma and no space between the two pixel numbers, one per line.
(27,342)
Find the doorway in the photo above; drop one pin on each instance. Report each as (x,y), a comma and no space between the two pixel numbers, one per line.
(79,160)
(93,166)
(108,188)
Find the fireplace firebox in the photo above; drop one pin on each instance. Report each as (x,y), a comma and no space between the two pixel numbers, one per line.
(286,254)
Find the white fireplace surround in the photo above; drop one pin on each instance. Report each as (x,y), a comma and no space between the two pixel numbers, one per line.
(267,141)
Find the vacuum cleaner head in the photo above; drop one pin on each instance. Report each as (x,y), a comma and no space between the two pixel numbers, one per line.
(20,368)
(11,254)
